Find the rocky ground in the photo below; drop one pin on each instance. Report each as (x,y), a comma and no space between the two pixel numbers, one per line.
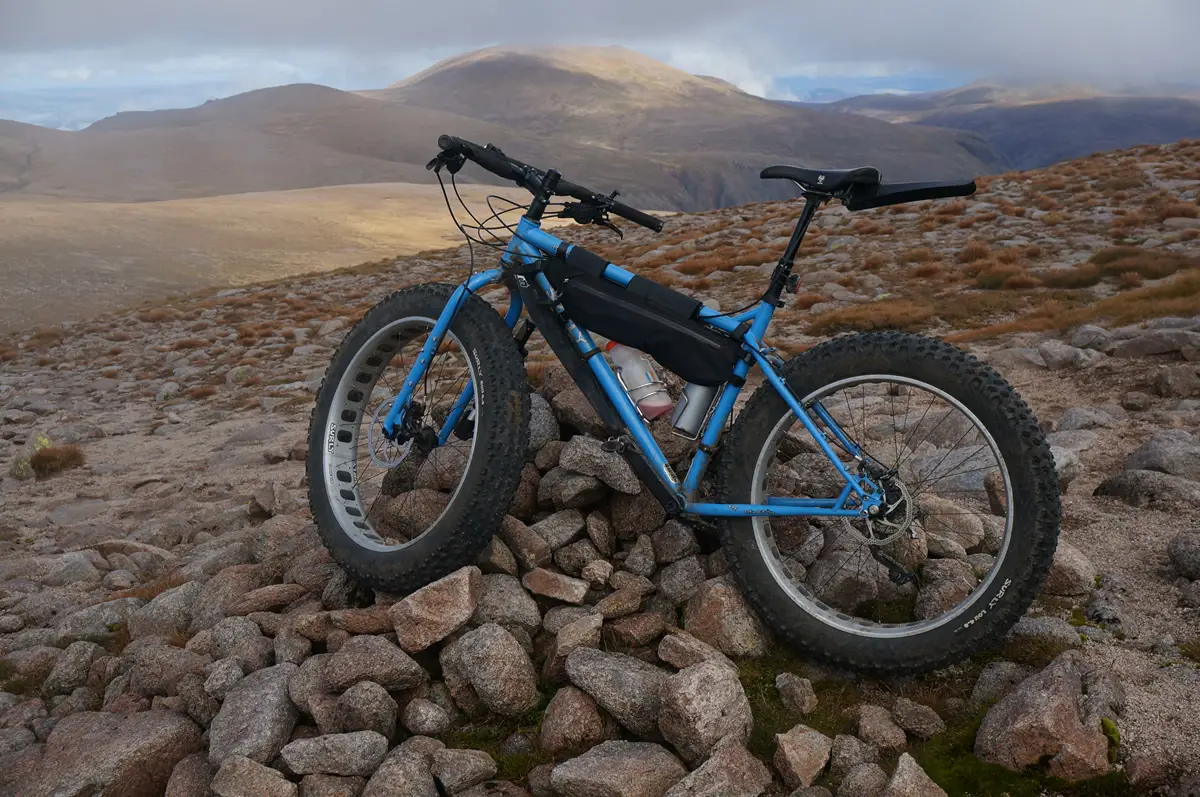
(169,621)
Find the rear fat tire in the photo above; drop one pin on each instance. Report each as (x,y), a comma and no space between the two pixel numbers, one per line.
(1031,472)
(490,482)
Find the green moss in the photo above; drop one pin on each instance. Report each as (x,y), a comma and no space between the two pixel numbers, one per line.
(1077,618)
(771,716)
(489,734)
(949,760)
(1114,737)
(1191,649)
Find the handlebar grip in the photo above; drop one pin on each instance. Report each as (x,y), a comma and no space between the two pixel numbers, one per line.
(446,142)
(637,216)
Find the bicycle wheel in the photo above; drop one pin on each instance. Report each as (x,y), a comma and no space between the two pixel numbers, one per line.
(397,517)
(971,511)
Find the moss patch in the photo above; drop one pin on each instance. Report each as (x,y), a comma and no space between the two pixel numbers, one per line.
(489,734)
(1191,649)
(1034,652)
(771,716)
(949,759)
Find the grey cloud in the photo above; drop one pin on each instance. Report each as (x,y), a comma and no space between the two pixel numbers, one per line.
(1146,39)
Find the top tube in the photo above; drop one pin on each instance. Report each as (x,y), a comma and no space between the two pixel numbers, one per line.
(530,233)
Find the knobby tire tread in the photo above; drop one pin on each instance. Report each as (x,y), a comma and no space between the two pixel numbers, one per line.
(1021,442)
(481,500)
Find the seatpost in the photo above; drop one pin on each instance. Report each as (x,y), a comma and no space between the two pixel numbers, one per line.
(779,278)
(543,195)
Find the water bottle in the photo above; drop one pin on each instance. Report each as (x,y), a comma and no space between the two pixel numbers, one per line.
(692,409)
(639,380)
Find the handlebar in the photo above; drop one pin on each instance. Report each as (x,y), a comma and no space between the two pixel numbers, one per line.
(530,178)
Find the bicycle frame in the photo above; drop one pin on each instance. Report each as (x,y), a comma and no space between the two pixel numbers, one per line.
(860,497)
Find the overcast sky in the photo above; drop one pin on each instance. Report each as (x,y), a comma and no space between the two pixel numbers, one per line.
(754,43)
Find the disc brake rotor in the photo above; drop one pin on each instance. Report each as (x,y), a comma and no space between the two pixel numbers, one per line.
(895,520)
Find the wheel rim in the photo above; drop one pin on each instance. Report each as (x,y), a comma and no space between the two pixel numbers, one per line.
(384,496)
(817,587)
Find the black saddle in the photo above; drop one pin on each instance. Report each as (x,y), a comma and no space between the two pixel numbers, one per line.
(863,188)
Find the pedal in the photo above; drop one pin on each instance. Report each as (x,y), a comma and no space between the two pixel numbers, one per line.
(615,445)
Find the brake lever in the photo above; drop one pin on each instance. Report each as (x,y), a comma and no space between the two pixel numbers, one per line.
(453,163)
(588,213)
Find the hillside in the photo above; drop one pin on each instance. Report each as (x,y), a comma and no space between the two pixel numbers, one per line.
(165,601)
(605,116)
(1031,126)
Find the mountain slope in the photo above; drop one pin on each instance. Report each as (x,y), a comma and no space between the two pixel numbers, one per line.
(1036,125)
(606,117)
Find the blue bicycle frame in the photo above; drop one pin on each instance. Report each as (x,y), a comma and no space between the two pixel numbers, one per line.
(860,496)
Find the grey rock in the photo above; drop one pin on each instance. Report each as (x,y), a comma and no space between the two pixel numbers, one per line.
(1090,336)
(918,719)
(865,780)
(106,753)
(242,777)
(1184,553)
(191,777)
(358,754)
(291,647)
(437,610)
(543,426)
(801,755)
(848,752)
(71,668)
(98,623)
(406,771)
(1067,465)
(426,718)
(1170,451)
(502,600)
(719,615)
(681,649)
(584,455)
(563,489)
(796,693)
(1084,418)
(529,549)
(1059,356)
(367,706)
(555,585)
(560,528)
(597,572)
(371,658)
(640,560)
(582,633)
(574,557)
(731,771)
(700,706)
(1041,719)
(625,687)
(1071,573)
(223,675)
(673,542)
(499,669)
(241,639)
(331,786)
(680,580)
(619,769)
(909,780)
(572,723)
(875,727)
(1158,341)
(1151,489)
(497,558)
(636,514)
(600,532)
(256,718)
(459,770)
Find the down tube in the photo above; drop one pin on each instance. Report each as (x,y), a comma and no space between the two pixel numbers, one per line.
(515,305)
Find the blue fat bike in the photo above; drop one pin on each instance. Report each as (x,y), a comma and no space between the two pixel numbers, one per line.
(885,501)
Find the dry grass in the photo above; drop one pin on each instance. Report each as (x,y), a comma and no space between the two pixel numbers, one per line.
(875,261)
(902,314)
(152,589)
(804,301)
(55,459)
(7,353)
(200,391)
(975,250)
(921,255)
(153,316)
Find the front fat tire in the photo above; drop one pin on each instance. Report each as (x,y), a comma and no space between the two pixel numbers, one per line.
(1031,471)
(501,434)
